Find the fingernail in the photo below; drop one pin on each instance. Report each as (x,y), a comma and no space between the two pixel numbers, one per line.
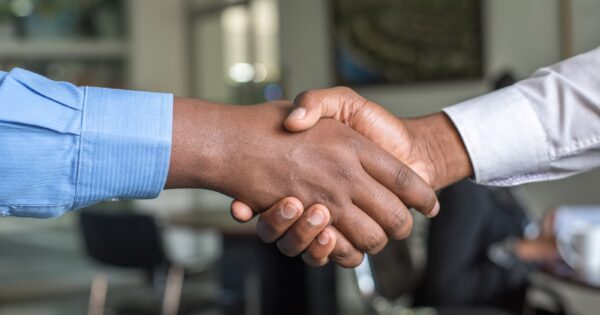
(316,218)
(323,238)
(297,114)
(435,210)
(289,210)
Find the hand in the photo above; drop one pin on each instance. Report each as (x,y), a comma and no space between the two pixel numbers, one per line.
(429,145)
(544,247)
(243,151)
(538,250)
(308,230)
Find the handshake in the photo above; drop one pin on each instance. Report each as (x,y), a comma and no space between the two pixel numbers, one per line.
(355,167)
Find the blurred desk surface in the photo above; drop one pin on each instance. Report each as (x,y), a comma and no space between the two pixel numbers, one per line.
(564,273)
(571,294)
(214,219)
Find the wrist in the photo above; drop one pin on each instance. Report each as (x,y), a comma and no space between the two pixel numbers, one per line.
(198,144)
(441,148)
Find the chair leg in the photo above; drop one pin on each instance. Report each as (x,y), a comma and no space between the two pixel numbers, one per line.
(173,289)
(98,292)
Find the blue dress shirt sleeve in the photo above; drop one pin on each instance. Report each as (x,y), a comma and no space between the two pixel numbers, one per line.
(64,147)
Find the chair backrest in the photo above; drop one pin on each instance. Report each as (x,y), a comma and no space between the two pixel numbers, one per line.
(123,240)
(393,270)
(385,281)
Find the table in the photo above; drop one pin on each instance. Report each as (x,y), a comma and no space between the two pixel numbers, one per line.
(562,272)
(557,288)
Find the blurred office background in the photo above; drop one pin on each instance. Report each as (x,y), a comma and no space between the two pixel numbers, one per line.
(246,52)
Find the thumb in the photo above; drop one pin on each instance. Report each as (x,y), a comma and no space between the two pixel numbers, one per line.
(241,212)
(339,103)
(307,112)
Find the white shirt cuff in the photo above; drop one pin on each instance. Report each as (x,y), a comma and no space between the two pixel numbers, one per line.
(503,137)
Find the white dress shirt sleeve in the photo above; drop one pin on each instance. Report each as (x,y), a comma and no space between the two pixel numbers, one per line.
(542,128)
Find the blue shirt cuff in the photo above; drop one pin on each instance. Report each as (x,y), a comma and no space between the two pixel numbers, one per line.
(125,145)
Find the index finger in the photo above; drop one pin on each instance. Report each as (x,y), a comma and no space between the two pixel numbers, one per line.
(412,190)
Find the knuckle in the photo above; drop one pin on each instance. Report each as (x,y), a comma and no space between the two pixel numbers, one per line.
(397,221)
(346,174)
(374,243)
(429,201)
(402,176)
(405,230)
(353,142)
(351,262)
(264,238)
(320,263)
(313,259)
(341,254)
(346,257)
(329,200)
(357,261)
(345,90)
(305,97)
(425,197)
(265,230)
(309,260)
(354,100)
(287,249)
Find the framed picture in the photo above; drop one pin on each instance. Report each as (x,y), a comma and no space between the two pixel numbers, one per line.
(406,41)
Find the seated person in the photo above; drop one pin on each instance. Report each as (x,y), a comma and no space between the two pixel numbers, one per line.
(478,251)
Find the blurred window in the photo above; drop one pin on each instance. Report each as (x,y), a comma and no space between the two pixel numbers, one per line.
(81,41)
(235,51)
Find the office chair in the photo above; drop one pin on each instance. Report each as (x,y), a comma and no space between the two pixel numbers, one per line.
(134,241)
